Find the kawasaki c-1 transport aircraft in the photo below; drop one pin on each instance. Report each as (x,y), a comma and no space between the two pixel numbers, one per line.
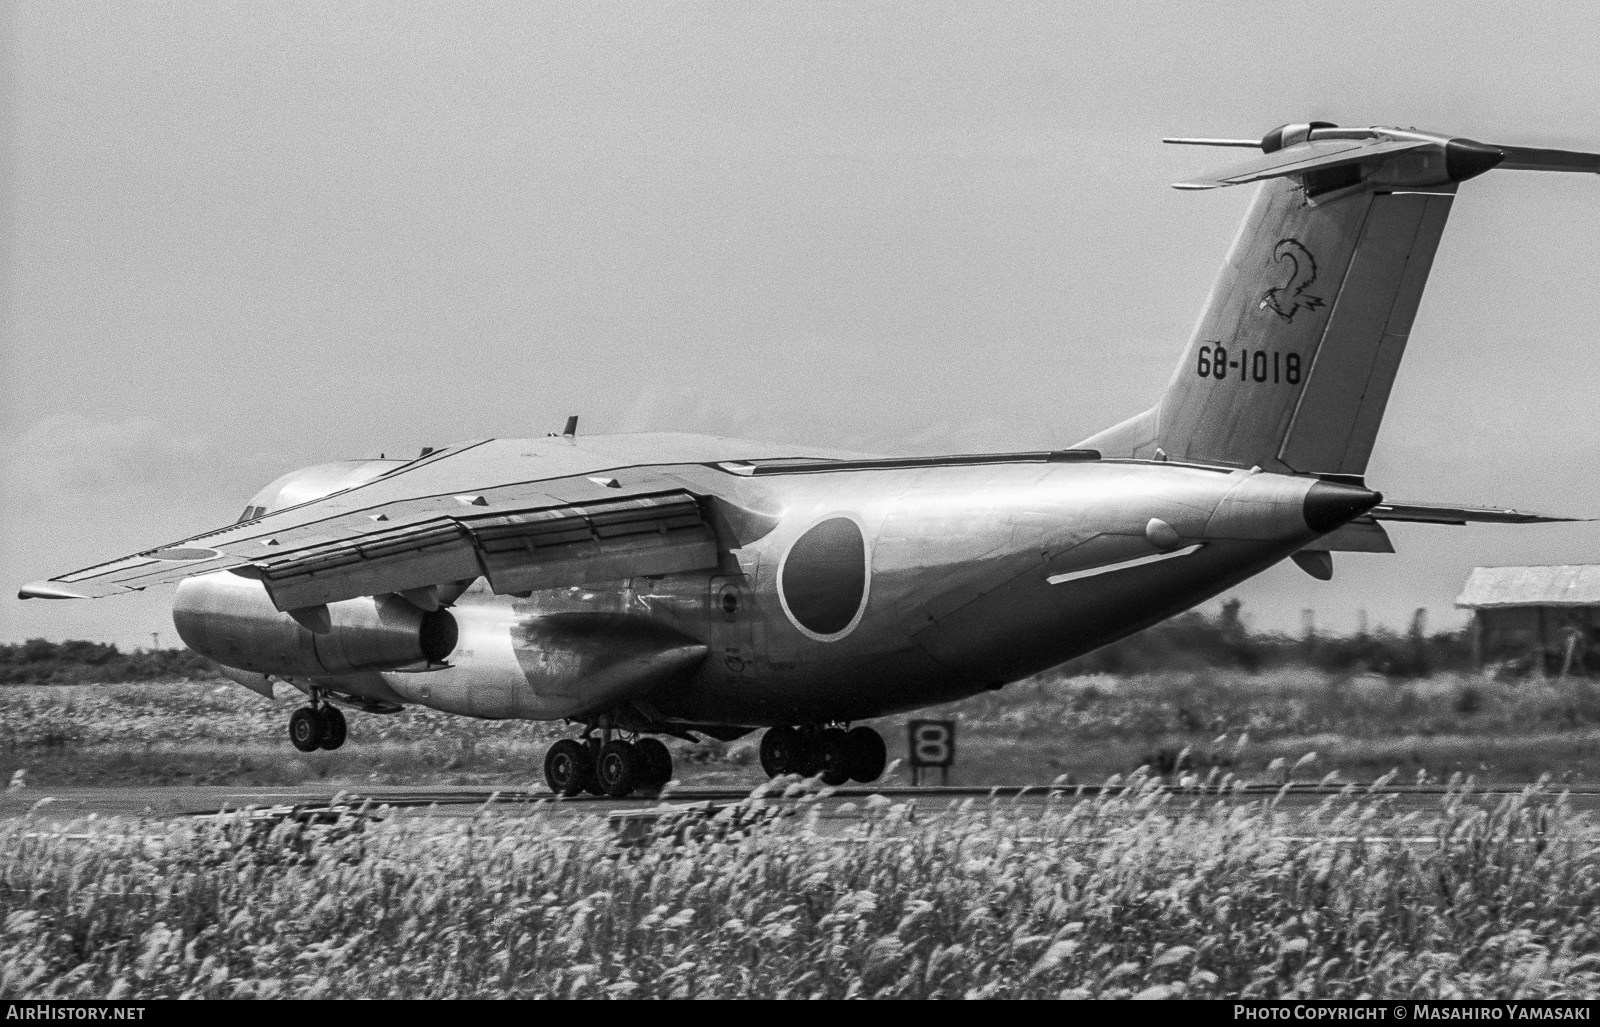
(638,585)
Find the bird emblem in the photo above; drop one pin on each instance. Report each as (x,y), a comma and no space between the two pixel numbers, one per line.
(1291,296)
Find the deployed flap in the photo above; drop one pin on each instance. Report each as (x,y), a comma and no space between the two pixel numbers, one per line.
(517,551)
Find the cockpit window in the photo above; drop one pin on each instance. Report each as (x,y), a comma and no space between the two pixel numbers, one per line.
(251,513)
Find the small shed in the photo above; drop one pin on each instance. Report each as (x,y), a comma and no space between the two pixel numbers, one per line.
(1549,616)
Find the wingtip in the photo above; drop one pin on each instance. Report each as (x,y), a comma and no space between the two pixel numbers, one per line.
(45,590)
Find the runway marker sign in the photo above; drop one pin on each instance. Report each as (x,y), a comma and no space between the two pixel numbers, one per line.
(931,744)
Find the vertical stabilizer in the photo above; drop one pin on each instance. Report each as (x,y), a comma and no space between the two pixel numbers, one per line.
(1291,364)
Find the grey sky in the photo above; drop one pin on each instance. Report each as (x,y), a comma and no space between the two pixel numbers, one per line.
(241,238)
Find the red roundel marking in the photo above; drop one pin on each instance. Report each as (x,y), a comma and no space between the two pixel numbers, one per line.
(824,578)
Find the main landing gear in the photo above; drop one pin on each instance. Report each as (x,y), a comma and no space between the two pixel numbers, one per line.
(614,768)
(836,754)
(319,726)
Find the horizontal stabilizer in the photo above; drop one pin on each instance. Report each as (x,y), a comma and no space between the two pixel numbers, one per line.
(1362,535)
(1303,158)
(1252,144)
(1430,514)
(45,590)
(1530,158)
(1425,158)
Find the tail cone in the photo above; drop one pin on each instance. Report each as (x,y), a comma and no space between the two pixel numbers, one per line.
(1327,506)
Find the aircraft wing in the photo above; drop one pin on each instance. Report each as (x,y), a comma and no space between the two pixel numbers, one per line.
(1300,158)
(1458,515)
(523,513)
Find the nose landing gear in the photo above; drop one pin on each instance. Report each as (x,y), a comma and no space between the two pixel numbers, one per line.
(837,755)
(616,768)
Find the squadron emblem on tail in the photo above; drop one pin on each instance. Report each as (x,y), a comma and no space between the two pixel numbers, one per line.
(1291,296)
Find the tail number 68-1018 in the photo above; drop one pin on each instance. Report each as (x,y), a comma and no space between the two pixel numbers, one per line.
(1249,365)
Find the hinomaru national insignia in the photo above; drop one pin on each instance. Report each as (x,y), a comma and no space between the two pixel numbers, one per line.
(1284,300)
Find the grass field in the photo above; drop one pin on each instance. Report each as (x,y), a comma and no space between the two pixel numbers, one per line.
(1143,894)
(1083,728)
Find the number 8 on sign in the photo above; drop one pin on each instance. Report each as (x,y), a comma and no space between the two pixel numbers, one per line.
(931,743)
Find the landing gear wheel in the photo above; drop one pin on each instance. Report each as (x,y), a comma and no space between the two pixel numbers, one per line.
(619,768)
(334,729)
(567,768)
(868,754)
(656,760)
(833,754)
(591,782)
(305,729)
(783,751)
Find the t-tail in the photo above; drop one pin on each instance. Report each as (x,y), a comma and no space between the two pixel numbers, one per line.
(1291,364)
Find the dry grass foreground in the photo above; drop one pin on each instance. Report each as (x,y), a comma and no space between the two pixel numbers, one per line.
(1139,895)
(1085,728)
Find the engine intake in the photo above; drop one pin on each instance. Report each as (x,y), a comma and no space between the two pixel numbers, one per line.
(232,620)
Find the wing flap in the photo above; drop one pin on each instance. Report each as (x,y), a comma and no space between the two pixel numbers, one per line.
(603,560)
(643,536)
(517,551)
(346,573)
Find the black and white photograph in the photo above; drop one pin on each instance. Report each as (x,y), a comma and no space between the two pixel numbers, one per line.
(830,500)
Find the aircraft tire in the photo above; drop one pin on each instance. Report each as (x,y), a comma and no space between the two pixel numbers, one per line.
(567,767)
(305,729)
(619,768)
(657,761)
(782,751)
(334,728)
(833,760)
(868,754)
(591,779)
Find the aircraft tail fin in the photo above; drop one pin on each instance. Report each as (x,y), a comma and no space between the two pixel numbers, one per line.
(1290,366)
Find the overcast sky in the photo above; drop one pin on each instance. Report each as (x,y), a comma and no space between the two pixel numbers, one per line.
(242,238)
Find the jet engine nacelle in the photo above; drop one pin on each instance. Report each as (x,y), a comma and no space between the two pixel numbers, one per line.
(232,620)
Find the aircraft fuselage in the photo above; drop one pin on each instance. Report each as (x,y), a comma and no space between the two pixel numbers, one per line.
(866,592)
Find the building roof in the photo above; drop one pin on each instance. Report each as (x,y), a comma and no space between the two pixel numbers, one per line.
(1490,587)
